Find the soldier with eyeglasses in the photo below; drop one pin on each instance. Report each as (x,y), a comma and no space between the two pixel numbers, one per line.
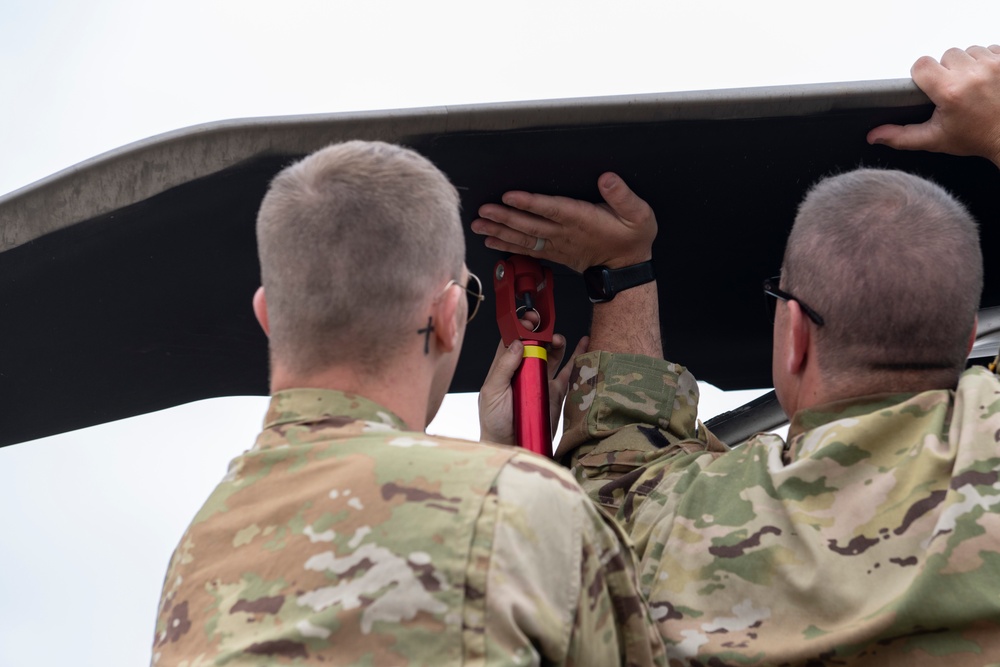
(872,535)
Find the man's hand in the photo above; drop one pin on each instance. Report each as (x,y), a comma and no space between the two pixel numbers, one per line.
(574,233)
(496,398)
(965,89)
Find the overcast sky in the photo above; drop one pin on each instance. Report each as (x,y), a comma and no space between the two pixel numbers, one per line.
(88,519)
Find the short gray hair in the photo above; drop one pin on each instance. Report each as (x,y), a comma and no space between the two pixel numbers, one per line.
(353,240)
(892,262)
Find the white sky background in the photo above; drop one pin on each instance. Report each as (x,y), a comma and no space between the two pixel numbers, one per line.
(88,519)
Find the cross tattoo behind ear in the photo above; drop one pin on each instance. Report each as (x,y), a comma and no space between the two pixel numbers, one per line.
(427,331)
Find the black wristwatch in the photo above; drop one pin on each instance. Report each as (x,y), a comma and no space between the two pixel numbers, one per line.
(603,283)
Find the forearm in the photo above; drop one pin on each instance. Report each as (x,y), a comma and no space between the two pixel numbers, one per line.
(629,323)
(624,413)
(610,392)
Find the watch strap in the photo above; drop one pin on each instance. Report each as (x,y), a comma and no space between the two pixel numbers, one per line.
(628,277)
(604,283)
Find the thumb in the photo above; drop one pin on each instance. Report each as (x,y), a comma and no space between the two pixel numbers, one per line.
(905,137)
(505,364)
(625,203)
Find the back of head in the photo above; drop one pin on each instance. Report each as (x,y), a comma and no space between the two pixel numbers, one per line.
(353,241)
(892,262)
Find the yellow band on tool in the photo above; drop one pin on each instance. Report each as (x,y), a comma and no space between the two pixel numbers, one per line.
(535,352)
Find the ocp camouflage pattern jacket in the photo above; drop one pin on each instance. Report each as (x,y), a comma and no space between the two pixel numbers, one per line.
(342,539)
(871,537)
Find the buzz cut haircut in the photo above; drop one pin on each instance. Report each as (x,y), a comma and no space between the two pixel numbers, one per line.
(893,263)
(354,240)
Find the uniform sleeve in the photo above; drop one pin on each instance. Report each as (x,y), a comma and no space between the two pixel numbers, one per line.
(562,577)
(628,418)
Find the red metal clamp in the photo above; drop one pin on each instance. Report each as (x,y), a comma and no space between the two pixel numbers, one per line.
(524,292)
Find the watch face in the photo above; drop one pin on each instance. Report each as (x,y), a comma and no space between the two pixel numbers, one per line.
(598,283)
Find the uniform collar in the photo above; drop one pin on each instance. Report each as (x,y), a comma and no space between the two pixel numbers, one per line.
(821,415)
(293,406)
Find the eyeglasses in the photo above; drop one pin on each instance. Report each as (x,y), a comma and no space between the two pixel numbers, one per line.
(473,293)
(771,290)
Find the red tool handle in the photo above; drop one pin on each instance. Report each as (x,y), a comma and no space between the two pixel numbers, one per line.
(532,424)
(523,286)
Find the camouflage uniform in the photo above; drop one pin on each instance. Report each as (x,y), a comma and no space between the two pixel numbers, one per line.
(342,539)
(871,537)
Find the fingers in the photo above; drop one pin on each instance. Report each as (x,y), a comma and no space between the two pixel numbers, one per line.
(501,373)
(557,351)
(550,210)
(562,378)
(495,406)
(905,137)
(550,213)
(510,248)
(519,232)
(625,203)
(965,89)
(928,74)
(517,219)
(575,233)
(983,52)
(955,58)
(503,228)
(559,385)
(507,360)
(581,348)
(883,134)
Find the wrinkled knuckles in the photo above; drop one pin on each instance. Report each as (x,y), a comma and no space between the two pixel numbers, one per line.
(490,211)
(992,66)
(923,63)
(954,52)
(482,227)
(492,229)
(550,211)
(978,52)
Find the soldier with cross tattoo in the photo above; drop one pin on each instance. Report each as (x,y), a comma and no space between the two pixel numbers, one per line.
(346,535)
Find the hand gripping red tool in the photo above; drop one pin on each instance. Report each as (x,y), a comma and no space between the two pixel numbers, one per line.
(524,286)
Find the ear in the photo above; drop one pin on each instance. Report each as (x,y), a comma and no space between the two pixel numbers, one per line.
(972,336)
(260,310)
(798,339)
(447,322)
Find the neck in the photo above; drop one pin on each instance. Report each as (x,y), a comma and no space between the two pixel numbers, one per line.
(829,387)
(898,380)
(408,399)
